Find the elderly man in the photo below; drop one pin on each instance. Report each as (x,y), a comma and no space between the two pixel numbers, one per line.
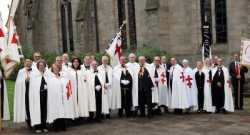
(21,96)
(190,85)
(106,73)
(222,97)
(237,73)
(134,67)
(122,88)
(179,100)
(66,62)
(145,86)
(36,57)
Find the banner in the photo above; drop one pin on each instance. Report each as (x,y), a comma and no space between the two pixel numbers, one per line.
(245,52)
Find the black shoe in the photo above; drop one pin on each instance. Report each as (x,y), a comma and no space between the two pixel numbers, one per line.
(236,108)
(224,111)
(217,111)
(108,116)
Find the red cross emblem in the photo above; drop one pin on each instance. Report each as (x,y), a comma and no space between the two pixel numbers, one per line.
(229,83)
(182,77)
(1,33)
(189,79)
(69,89)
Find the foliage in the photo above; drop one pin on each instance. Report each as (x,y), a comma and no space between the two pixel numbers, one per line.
(147,51)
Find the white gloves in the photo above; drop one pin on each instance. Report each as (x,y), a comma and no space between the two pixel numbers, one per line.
(98,87)
(125,82)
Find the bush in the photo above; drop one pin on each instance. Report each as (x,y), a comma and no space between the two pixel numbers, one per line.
(146,51)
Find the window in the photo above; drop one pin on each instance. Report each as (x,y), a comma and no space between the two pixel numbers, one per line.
(206,18)
(221,21)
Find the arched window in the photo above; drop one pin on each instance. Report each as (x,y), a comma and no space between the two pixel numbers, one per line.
(221,21)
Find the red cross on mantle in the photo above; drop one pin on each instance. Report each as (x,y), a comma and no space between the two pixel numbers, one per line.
(229,83)
(69,89)
(182,77)
(189,79)
(1,33)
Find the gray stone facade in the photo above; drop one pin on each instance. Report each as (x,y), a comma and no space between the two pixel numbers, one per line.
(171,25)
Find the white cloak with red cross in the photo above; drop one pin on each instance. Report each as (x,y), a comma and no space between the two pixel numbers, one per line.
(67,95)
(179,98)
(190,87)
(160,93)
(229,103)
(207,91)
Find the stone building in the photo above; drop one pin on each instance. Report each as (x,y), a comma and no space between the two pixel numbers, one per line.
(58,26)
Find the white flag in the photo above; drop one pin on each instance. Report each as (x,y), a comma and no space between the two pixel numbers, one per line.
(115,50)
(11,56)
(3,41)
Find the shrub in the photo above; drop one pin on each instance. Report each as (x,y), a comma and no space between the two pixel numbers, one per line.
(148,52)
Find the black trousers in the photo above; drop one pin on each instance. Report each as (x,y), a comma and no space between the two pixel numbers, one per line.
(145,98)
(59,125)
(200,98)
(238,103)
(43,106)
(27,106)
(126,96)
(98,98)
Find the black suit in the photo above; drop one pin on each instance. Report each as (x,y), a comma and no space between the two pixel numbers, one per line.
(218,91)
(200,81)
(144,92)
(235,82)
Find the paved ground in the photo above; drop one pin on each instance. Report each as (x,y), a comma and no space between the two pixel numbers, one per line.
(237,123)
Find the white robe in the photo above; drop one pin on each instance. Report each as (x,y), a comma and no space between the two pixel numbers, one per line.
(66,67)
(6,112)
(207,91)
(169,94)
(69,109)
(134,68)
(106,93)
(19,96)
(80,93)
(34,96)
(55,104)
(229,103)
(91,91)
(179,98)
(116,87)
(160,92)
(34,66)
(192,92)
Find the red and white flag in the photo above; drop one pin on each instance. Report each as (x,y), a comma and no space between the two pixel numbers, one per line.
(2,37)
(115,50)
(11,56)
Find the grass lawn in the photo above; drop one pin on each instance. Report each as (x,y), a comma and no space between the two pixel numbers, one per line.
(10,87)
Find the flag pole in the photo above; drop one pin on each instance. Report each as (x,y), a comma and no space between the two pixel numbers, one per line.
(1,125)
(8,22)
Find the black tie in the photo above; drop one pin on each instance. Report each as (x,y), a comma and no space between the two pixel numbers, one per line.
(106,77)
(210,75)
(156,73)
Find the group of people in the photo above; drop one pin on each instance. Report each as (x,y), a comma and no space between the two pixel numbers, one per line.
(75,91)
